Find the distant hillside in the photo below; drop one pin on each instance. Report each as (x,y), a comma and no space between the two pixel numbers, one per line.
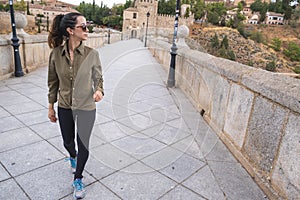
(247,51)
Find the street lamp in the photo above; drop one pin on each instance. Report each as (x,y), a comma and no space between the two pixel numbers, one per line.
(142,38)
(148,15)
(108,26)
(15,44)
(171,78)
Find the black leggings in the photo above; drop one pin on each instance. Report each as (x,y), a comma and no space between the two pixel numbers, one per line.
(85,122)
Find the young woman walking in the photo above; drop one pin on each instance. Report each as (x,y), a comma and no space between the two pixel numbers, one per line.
(75,81)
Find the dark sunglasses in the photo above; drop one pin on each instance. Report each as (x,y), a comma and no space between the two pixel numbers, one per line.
(83,27)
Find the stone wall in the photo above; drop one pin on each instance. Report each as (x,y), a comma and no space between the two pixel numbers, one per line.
(256,113)
(34,51)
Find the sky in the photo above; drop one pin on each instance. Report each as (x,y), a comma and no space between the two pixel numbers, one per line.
(109,3)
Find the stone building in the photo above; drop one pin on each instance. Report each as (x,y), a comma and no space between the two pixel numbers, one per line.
(135,18)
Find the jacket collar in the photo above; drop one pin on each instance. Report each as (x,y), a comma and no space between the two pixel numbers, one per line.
(79,49)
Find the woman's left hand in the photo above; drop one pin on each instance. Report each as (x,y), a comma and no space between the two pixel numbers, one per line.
(97,96)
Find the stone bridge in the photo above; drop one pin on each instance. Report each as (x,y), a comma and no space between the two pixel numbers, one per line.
(255,113)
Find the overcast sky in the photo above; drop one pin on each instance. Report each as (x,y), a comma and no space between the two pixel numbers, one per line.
(109,3)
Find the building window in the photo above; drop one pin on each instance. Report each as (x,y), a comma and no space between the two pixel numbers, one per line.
(134,15)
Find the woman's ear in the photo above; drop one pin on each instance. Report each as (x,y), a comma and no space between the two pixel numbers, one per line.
(70,31)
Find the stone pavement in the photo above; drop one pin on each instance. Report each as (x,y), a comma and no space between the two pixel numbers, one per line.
(143,144)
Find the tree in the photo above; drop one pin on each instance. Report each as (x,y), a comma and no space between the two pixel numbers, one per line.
(167,7)
(198,9)
(213,18)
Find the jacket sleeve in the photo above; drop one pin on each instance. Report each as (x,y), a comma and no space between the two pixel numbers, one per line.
(53,81)
(97,74)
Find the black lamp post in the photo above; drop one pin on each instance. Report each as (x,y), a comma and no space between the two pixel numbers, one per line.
(148,15)
(15,44)
(171,79)
(143,29)
(108,26)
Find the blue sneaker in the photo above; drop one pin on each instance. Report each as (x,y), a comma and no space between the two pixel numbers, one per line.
(73,163)
(79,191)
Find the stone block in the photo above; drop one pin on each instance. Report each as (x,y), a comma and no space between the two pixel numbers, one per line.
(264,133)
(286,174)
(6,59)
(219,102)
(206,89)
(281,89)
(237,114)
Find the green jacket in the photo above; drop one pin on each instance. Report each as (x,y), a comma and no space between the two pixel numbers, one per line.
(73,84)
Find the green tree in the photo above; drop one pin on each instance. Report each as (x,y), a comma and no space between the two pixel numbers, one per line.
(198,9)
(293,51)
(213,18)
(20,5)
(167,7)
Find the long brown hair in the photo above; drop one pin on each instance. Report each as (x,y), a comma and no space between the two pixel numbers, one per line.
(58,31)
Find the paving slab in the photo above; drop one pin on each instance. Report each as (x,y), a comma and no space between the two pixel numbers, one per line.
(11,190)
(182,168)
(17,138)
(53,181)
(3,173)
(235,182)
(180,193)
(138,146)
(142,186)
(26,158)
(204,183)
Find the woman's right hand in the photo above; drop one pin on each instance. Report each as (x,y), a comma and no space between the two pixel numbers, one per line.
(52,115)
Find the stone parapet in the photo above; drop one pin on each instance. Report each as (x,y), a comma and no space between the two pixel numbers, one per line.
(256,113)
(34,51)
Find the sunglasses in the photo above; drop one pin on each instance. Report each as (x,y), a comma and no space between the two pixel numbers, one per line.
(83,27)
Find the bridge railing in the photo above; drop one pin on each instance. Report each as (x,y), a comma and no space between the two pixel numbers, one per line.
(256,113)
(34,51)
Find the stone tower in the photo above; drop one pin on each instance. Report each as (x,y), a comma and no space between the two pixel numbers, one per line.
(136,17)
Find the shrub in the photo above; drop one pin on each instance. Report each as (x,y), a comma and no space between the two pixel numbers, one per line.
(271,66)
(224,42)
(293,51)
(231,55)
(250,63)
(215,41)
(276,44)
(297,70)
(257,37)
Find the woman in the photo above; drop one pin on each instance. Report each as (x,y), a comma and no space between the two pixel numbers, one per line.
(75,81)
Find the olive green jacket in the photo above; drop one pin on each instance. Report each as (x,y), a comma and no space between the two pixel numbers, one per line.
(73,84)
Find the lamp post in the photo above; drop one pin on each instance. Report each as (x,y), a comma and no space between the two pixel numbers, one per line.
(108,35)
(148,15)
(15,44)
(108,26)
(142,38)
(171,78)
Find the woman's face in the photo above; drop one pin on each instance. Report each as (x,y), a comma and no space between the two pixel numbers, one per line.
(81,29)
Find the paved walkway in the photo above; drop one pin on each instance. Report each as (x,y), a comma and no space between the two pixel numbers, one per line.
(143,144)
